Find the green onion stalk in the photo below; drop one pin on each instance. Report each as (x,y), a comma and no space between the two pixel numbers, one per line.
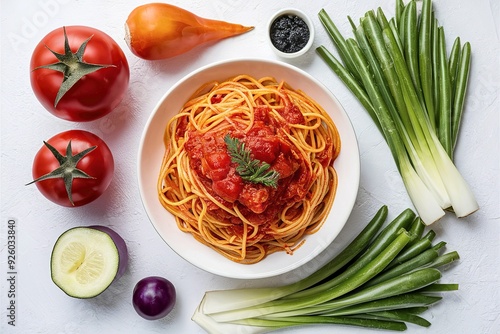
(386,277)
(399,70)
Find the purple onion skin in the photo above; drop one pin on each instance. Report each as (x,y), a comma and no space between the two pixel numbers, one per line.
(120,245)
(154,297)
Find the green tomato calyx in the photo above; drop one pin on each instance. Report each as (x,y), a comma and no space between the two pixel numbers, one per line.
(71,65)
(67,169)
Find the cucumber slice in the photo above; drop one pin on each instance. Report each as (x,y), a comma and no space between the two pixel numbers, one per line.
(84,262)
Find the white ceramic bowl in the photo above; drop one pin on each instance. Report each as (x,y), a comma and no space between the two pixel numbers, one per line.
(152,149)
(305,18)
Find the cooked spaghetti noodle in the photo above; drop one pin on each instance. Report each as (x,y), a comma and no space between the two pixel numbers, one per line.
(281,127)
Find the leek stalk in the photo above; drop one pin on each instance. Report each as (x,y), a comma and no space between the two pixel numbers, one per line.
(415,95)
(355,292)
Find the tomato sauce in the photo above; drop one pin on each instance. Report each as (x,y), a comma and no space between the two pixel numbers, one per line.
(260,204)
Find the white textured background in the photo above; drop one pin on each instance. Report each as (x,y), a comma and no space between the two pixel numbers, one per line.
(43,308)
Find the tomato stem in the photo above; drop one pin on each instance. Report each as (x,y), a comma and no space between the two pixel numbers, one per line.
(67,169)
(71,65)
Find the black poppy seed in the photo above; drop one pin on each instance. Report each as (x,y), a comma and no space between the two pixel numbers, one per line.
(289,33)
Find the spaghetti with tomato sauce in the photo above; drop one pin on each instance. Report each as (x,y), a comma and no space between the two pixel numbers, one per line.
(278,126)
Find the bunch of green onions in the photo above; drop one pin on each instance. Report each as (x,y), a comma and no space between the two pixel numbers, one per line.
(400,72)
(386,277)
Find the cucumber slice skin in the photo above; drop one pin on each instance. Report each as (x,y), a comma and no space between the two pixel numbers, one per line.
(90,238)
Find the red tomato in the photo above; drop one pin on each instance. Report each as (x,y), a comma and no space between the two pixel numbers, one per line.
(94,94)
(87,175)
